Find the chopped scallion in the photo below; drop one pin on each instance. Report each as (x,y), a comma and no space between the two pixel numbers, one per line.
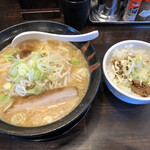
(75,61)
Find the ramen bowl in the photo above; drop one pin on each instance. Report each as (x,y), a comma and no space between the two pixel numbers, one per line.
(121,94)
(63,125)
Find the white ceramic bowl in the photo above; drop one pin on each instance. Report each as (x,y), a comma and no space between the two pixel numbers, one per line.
(132,99)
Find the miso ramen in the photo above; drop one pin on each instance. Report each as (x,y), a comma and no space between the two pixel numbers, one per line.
(41,82)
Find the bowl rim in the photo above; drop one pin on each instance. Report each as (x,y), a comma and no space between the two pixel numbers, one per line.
(108,53)
(75,113)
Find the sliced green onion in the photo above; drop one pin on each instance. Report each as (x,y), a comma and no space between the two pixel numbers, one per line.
(53,67)
(42,51)
(22,69)
(3,97)
(33,62)
(37,75)
(31,74)
(14,70)
(9,56)
(75,61)
(22,72)
(21,90)
(127,85)
(36,90)
(16,79)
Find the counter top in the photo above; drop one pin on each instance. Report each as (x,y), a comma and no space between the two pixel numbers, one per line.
(110,124)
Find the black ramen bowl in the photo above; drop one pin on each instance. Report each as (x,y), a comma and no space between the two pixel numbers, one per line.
(63,125)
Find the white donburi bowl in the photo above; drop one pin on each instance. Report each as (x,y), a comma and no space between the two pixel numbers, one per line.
(132,99)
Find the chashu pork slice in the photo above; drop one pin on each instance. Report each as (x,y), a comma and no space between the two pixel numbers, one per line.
(45,99)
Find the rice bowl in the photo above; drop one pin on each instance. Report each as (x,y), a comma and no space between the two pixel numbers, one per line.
(120,78)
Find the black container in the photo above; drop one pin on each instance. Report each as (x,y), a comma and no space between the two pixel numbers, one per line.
(63,125)
(37,9)
(76,12)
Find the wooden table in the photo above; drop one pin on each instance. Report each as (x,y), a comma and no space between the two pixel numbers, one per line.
(110,123)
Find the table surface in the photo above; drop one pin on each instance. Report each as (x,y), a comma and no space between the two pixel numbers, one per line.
(110,123)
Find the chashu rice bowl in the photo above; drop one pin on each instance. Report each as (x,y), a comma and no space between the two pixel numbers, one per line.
(129,69)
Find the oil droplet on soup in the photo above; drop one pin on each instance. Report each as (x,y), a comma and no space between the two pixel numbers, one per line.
(41,82)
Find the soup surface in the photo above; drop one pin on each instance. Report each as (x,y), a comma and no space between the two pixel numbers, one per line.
(41,82)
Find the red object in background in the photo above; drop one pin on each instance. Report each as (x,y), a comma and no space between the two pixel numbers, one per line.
(132,9)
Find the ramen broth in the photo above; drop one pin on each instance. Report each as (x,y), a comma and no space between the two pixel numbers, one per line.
(71,66)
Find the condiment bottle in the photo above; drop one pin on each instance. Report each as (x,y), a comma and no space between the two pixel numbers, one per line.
(144,11)
(132,10)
